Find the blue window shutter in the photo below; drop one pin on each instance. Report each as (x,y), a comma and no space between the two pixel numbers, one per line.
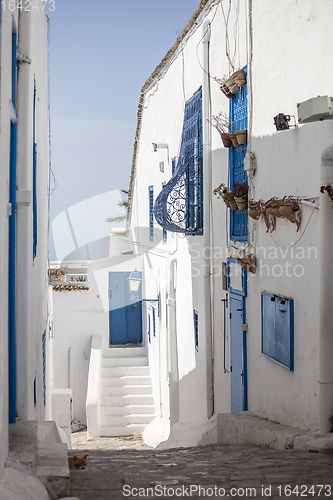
(196,329)
(179,206)
(151,213)
(154,323)
(34,184)
(149,338)
(277,329)
(238,115)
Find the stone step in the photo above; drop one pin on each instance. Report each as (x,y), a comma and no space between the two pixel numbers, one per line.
(129,430)
(123,352)
(119,371)
(126,400)
(127,410)
(126,380)
(107,419)
(124,390)
(126,361)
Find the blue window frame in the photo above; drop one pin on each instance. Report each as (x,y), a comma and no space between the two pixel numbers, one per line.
(34,183)
(173,165)
(154,323)
(149,336)
(238,115)
(151,213)
(241,290)
(196,329)
(277,329)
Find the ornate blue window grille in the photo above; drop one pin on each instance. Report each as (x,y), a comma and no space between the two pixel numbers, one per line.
(238,115)
(178,207)
(196,329)
(44,365)
(151,213)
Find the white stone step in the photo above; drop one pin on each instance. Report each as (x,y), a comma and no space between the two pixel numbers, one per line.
(125,420)
(124,390)
(126,380)
(127,399)
(129,430)
(126,361)
(124,411)
(119,371)
(122,352)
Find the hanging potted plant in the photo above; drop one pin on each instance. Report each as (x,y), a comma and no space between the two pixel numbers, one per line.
(291,210)
(254,209)
(240,191)
(222,126)
(223,192)
(239,77)
(228,86)
(329,190)
(59,273)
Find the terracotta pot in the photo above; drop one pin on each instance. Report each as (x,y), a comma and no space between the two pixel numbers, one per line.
(226,91)
(254,209)
(241,136)
(232,85)
(241,202)
(291,210)
(234,140)
(249,263)
(226,140)
(226,200)
(233,204)
(239,77)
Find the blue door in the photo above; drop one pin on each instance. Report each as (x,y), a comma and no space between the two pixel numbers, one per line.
(125,311)
(237,353)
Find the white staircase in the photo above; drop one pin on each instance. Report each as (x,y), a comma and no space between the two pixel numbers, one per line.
(126,402)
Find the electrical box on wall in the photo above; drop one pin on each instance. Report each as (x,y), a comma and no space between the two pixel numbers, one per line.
(315,109)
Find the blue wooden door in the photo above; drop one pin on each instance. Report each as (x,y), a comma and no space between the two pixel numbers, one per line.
(125,315)
(237,354)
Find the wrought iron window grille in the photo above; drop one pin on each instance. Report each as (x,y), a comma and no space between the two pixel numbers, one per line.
(179,206)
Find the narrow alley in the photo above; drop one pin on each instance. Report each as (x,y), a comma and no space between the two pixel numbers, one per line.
(211,471)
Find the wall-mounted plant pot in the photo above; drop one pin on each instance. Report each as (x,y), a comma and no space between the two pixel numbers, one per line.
(254,209)
(226,140)
(239,77)
(241,136)
(234,140)
(233,204)
(241,202)
(291,210)
(232,85)
(226,91)
(226,200)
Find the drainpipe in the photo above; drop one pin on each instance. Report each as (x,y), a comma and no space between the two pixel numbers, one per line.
(71,375)
(325,295)
(25,348)
(207,182)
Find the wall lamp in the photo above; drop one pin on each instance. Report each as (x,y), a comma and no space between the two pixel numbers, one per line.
(281,121)
(134,281)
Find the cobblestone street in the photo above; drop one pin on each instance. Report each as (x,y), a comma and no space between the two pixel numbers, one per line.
(210,471)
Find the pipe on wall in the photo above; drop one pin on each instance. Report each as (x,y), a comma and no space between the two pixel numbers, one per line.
(207,181)
(71,375)
(325,295)
(25,348)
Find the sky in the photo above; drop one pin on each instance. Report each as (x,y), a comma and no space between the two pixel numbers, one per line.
(101,54)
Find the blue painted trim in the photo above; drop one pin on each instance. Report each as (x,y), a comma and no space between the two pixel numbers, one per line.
(244,279)
(196,329)
(12,246)
(149,337)
(154,323)
(34,182)
(44,365)
(244,355)
(165,232)
(224,323)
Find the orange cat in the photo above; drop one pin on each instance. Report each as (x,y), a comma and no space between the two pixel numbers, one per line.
(77,462)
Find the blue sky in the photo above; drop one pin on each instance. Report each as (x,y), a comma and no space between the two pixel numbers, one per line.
(101,55)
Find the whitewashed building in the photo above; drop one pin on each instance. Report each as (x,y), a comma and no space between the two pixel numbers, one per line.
(231,342)
(24,309)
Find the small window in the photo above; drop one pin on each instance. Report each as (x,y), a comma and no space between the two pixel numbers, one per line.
(196,329)
(277,329)
(151,213)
